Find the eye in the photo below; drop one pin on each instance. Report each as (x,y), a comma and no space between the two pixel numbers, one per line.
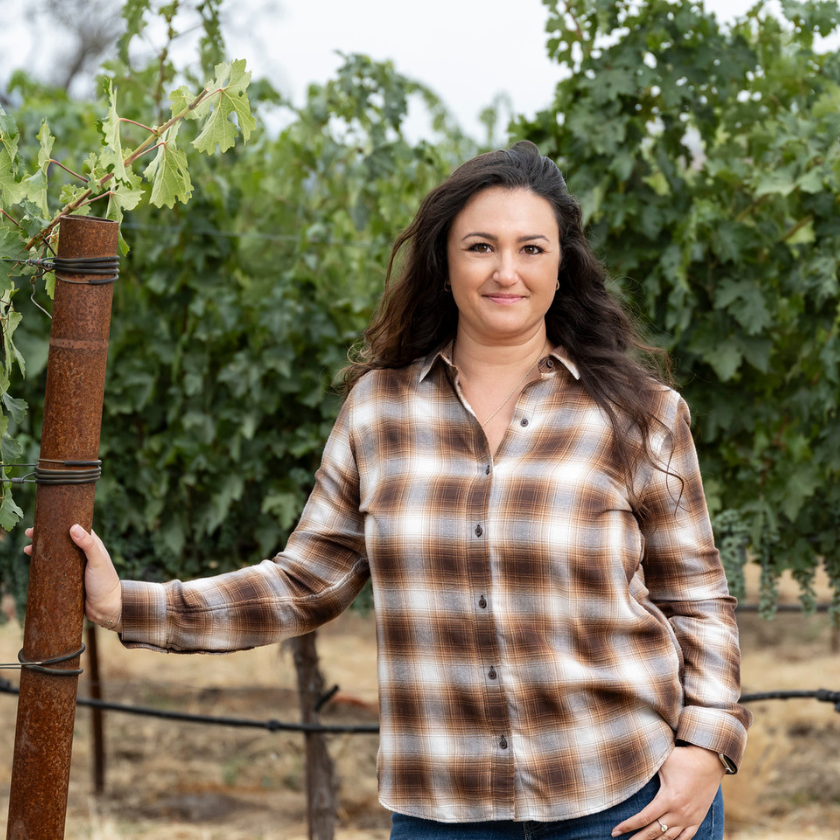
(479,247)
(533,249)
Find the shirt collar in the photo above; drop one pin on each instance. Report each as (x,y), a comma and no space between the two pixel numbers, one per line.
(444,352)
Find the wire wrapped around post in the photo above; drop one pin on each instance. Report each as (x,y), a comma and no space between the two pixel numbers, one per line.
(65,477)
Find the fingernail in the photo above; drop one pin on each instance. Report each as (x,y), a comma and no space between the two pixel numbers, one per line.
(77,531)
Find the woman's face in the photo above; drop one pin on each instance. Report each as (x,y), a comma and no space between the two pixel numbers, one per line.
(503,253)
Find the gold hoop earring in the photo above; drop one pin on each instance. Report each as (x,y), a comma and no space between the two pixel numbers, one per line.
(447,287)
(557,287)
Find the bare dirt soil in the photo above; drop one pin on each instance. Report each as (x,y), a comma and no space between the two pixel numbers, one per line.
(189,782)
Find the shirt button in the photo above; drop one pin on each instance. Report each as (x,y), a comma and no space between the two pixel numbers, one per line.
(479,530)
(492,673)
(503,742)
(523,422)
(487,471)
(482,602)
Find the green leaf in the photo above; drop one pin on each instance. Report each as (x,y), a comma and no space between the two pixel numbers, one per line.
(180,99)
(113,154)
(231,83)
(11,248)
(168,172)
(16,408)
(11,321)
(10,189)
(69,193)
(10,513)
(284,506)
(804,235)
(811,181)
(96,167)
(45,152)
(745,301)
(126,196)
(800,484)
(36,185)
(780,182)
(8,133)
(725,358)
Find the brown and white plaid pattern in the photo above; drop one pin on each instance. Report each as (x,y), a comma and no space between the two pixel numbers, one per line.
(540,644)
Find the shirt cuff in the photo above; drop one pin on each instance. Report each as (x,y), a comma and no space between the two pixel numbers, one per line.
(143,615)
(713,729)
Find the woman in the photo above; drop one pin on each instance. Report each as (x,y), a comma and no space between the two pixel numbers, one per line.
(552,617)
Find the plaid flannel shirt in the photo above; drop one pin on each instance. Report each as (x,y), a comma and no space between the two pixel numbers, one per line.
(541,645)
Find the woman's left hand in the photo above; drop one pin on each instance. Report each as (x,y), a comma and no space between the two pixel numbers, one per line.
(689,780)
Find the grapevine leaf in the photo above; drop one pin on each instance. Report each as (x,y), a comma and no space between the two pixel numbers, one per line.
(36,185)
(97,169)
(725,358)
(168,172)
(11,248)
(16,408)
(745,301)
(33,221)
(113,154)
(45,152)
(69,194)
(811,181)
(230,86)
(12,447)
(181,98)
(803,236)
(10,513)
(799,486)
(11,320)
(780,182)
(10,190)
(125,196)
(8,133)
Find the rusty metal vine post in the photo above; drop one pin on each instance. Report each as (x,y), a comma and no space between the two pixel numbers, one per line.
(55,606)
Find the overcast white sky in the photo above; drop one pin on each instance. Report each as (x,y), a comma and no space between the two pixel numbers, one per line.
(465,50)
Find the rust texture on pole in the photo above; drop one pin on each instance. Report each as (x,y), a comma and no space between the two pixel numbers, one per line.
(96,714)
(55,606)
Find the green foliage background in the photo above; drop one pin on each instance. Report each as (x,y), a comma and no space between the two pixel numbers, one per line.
(729,249)
(233,315)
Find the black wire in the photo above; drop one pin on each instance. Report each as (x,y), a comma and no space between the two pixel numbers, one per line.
(272,725)
(104,269)
(41,665)
(821,694)
(51,476)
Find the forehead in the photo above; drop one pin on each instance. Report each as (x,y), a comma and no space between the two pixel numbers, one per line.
(515,210)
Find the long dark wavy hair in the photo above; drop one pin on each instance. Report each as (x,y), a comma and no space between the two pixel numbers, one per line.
(417,314)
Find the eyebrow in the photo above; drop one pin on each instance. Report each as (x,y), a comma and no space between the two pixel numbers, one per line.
(493,238)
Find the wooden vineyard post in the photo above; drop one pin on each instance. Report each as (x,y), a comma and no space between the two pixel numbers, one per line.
(55,606)
(321,782)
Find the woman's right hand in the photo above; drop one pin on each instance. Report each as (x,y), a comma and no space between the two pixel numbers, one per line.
(103,593)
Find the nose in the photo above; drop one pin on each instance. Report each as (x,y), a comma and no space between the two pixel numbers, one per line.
(506,272)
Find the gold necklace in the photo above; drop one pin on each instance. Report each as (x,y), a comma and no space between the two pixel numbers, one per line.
(515,387)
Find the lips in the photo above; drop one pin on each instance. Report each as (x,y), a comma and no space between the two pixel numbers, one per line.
(504,300)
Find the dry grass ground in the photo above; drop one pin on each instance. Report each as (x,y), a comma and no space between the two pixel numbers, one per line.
(188,782)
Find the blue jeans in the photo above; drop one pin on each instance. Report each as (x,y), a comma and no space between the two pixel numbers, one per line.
(593,827)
